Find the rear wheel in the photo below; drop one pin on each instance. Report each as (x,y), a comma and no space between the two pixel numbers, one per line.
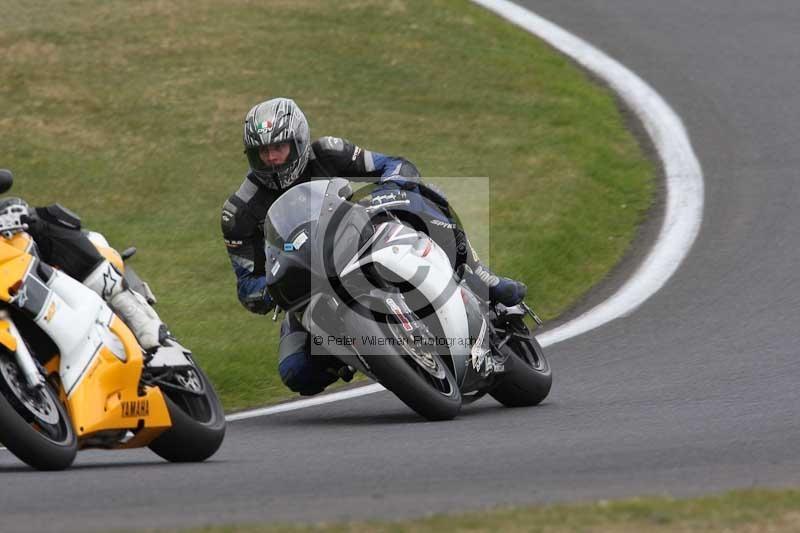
(527,379)
(34,424)
(198,421)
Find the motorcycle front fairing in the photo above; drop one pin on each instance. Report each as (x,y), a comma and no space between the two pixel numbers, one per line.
(308,236)
(322,318)
(302,258)
(342,256)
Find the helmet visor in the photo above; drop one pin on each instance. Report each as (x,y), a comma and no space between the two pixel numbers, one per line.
(276,164)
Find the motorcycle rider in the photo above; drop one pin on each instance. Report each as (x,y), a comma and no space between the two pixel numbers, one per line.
(61,243)
(280,154)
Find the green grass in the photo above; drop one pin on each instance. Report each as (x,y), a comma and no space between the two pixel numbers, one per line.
(747,511)
(130,114)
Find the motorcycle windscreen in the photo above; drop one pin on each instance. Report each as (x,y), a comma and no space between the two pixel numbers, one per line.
(288,268)
(312,233)
(298,206)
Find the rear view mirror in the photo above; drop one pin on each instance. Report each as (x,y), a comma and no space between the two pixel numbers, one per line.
(6,180)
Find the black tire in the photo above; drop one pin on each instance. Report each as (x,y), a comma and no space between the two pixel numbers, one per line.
(198,425)
(43,443)
(432,398)
(528,377)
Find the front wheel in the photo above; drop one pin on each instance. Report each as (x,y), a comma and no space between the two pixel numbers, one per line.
(34,425)
(415,374)
(198,421)
(528,378)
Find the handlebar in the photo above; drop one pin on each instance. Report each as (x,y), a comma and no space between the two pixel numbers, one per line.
(14,217)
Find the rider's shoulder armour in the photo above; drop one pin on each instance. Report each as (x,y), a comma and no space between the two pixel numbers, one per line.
(334,156)
(244,211)
(331,145)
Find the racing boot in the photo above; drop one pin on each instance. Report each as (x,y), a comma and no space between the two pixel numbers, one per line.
(500,290)
(131,307)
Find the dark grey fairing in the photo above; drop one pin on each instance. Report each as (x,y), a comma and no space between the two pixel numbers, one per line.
(322,317)
(470,379)
(307,248)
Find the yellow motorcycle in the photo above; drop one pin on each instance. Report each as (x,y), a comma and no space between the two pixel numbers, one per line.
(72,374)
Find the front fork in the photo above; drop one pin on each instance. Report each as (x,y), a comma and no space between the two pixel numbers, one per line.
(23,356)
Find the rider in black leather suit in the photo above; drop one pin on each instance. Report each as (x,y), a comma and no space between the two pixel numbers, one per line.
(281,155)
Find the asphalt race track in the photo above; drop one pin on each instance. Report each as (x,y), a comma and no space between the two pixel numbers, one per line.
(696,391)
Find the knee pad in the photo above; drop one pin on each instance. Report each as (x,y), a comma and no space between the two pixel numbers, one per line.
(301,375)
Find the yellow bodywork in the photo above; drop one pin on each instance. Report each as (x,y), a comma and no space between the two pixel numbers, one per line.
(107,396)
(6,338)
(112,255)
(14,264)
(20,241)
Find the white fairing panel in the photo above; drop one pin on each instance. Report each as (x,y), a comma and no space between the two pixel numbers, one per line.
(76,319)
(436,280)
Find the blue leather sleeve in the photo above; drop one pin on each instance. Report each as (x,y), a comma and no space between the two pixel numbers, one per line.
(252,290)
(390,166)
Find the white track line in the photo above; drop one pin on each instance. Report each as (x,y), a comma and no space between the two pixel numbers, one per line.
(308,402)
(684,209)
(684,177)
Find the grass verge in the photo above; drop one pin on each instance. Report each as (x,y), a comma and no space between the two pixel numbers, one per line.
(747,511)
(130,114)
